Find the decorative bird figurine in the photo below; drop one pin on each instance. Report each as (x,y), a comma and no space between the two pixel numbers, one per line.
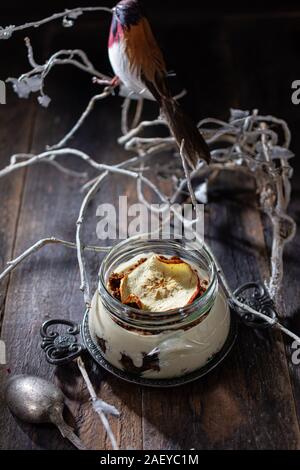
(138,63)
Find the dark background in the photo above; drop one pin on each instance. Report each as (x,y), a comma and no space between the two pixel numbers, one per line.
(215,8)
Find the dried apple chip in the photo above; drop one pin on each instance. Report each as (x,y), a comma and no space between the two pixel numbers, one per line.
(161,284)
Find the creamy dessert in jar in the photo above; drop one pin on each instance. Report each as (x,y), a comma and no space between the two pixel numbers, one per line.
(159,311)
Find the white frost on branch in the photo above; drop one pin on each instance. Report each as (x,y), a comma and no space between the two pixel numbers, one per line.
(23,87)
(34,80)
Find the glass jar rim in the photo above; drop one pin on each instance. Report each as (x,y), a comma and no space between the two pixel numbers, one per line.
(125,312)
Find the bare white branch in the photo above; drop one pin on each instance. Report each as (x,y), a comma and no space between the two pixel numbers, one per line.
(33,81)
(138,113)
(40,244)
(69,17)
(128,135)
(100,407)
(85,287)
(124,115)
(108,91)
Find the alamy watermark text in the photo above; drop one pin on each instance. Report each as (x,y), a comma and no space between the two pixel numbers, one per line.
(169,221)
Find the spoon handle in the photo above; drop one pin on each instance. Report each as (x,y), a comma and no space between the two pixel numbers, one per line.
(68,433)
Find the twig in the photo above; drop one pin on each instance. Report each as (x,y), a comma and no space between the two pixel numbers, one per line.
(138,113)
(88,184)
(66,171)
(85,287)
(34,80)
(108,91)
(51,161)
(124,115)
(138,129)
(40,244)
(6,32)
(99,405)
(31,59)
(118,169)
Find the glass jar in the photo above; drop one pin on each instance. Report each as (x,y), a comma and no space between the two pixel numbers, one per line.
(159,345)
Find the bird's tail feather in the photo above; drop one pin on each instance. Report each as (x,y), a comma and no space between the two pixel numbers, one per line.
(182,128)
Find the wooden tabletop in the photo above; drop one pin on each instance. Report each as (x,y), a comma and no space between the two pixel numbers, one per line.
(252,400)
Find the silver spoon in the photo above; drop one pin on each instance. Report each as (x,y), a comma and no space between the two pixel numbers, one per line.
(34,400)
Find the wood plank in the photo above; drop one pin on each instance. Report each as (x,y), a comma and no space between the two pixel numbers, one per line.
(47,285)
(11,188)
(291,295)
(248,402)
(271,89)
(282,40)
(20,119)
(17,119)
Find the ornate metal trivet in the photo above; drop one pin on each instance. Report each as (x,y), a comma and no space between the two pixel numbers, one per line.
(64,351)
(256,296)
(61,348)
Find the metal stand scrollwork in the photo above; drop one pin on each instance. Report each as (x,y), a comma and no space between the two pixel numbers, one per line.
(256,296)
(61,348)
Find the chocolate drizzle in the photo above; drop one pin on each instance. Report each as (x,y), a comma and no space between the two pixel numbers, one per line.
(102,344)
(114,284)
(149,363)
